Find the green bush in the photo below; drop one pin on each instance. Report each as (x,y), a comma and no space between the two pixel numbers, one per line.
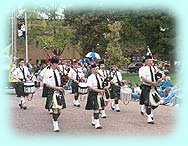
(133,77)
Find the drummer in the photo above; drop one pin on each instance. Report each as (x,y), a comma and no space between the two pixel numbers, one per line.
(105,77)
(22,74)
(93,101)
(76,75)
(55,92)
(115,87)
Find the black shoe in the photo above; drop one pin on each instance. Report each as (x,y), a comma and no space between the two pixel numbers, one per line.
(92,124)
(117,110)
(112,108)
(57,130)
(76,105)
(25,107)
(99,127)
(152,122)
(142,113)
(20,105)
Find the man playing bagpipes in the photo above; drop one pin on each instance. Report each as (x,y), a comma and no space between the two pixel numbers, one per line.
(55,95)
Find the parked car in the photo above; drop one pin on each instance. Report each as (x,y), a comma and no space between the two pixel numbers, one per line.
(134,67)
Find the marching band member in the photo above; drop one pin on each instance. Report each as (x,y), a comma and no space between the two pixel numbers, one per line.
(94,96)
(76,76)
(104,76)
(115,87)
(55,92)
(147,76)
(22,74)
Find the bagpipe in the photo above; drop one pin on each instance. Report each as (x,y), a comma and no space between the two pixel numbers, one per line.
(154,98)
(57,100)
(64,77)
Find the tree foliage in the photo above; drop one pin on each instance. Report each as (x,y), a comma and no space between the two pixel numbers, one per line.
(50,32)
(118,32)
(113,52)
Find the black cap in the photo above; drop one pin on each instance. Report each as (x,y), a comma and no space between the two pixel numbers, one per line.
(148,57)
(93,65)
(54,60)
(101,62)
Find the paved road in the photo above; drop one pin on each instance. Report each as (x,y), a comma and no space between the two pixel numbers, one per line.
(77,121)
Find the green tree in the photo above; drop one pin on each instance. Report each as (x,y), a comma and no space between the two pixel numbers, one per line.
(47,29)
(113,52)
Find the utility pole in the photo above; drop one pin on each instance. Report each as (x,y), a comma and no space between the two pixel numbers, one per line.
(14,36)
(26,40)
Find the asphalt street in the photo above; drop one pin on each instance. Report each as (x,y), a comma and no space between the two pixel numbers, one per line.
(77,121)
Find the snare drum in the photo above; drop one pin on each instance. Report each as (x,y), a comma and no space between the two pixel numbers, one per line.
(125,94)
(82,88)
(29,88)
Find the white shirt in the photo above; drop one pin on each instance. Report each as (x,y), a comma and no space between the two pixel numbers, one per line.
(140,72)
(44,71)
(92,81)
(72,73)
(104,73)
(113,74)
(145,73)
(19,74)
(49,77)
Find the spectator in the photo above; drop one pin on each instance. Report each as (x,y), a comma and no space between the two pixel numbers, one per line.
(165,83)
(136,92)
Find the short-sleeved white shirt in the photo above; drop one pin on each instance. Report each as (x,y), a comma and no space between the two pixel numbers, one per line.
(92,81)
(72,73)
(49,77)
(104,73)
(44,70)
(19,74)
(113,74)
(145,73)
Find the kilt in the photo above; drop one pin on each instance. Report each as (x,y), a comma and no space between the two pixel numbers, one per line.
(19,88)
(145,94)
(107,94)
(115,91)
(55,100)
(44,91)
(74,87)
(94,101)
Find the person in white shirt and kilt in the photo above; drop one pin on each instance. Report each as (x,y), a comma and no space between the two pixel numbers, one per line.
(147,76)
(55,95)
(105,77)
(76,76)
(22,74)
(116,81)
(95,99)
